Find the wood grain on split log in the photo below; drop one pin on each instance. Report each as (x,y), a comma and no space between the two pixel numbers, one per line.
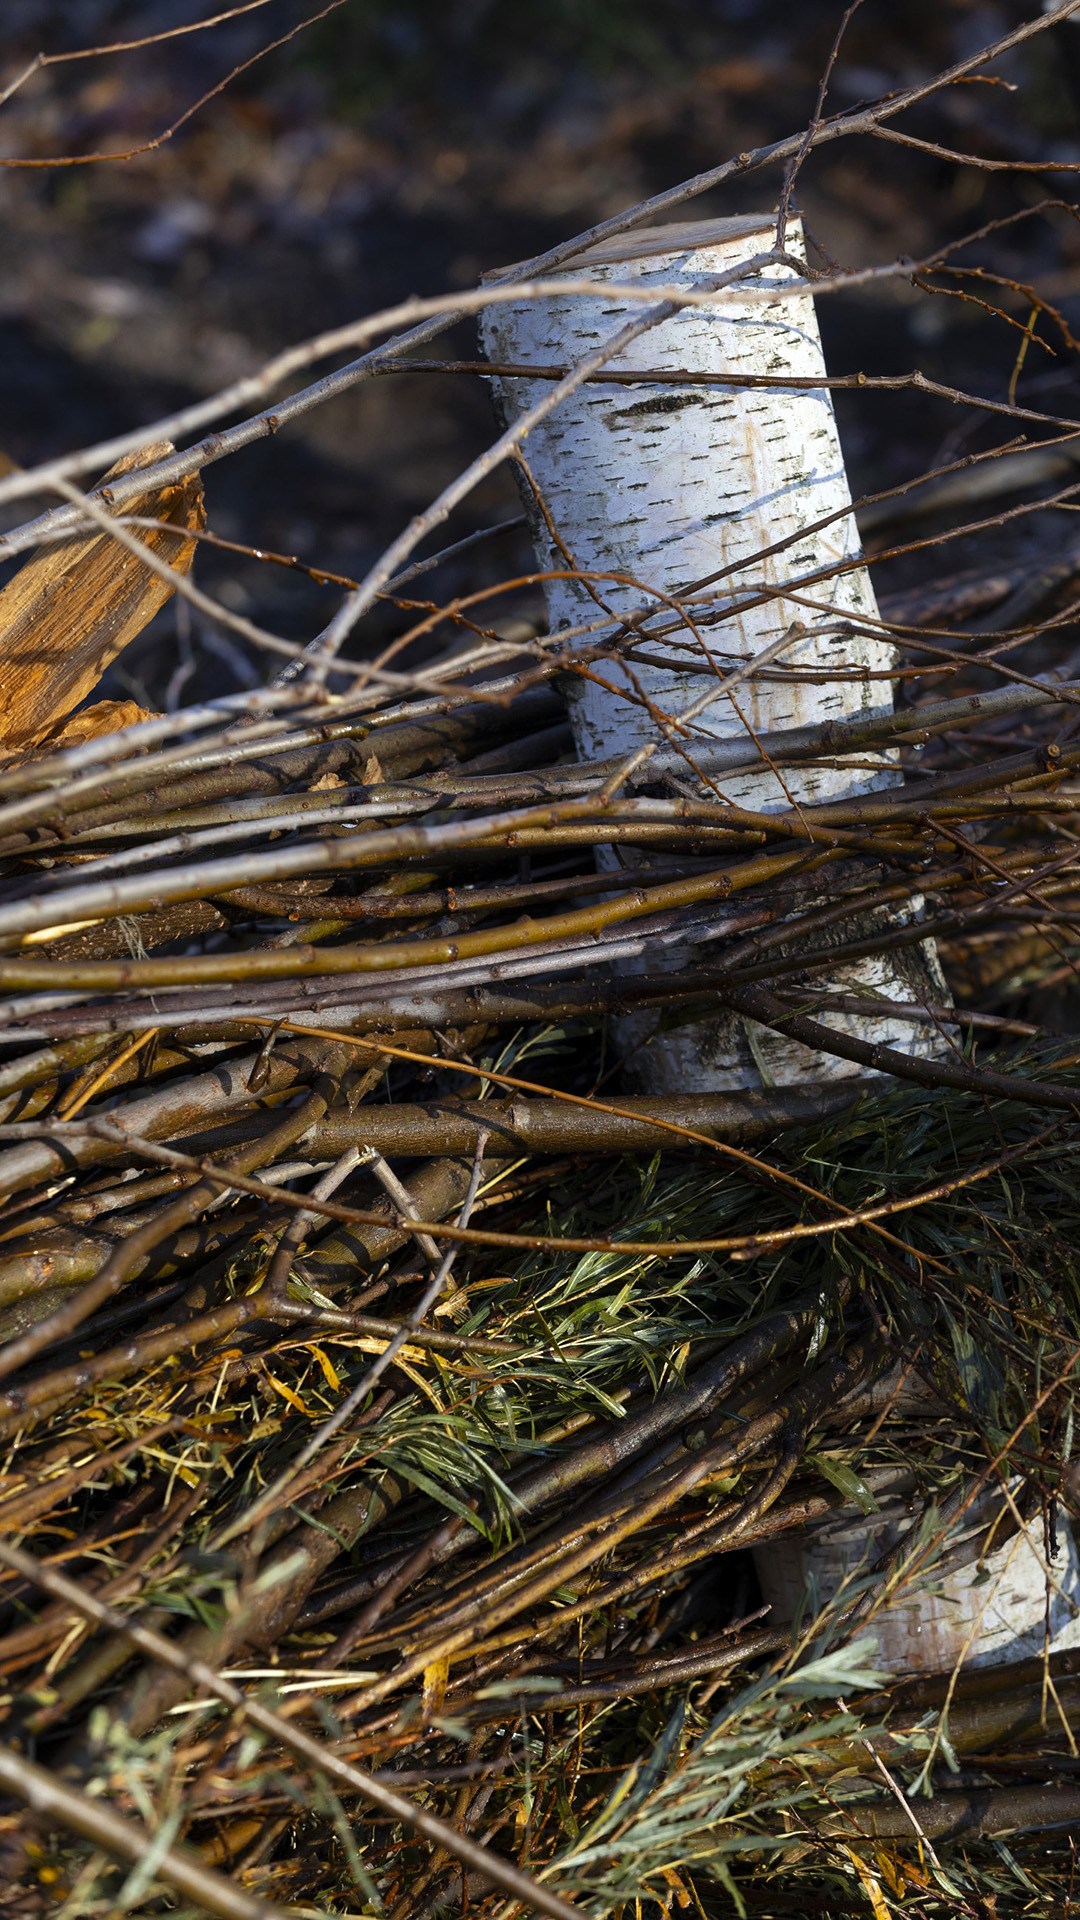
(73,607)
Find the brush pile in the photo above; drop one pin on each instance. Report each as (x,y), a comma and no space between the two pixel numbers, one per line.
(393,1405)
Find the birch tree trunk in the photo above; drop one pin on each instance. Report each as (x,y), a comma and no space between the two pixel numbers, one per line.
(665,486)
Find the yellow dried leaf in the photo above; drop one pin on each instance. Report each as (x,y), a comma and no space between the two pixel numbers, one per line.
(286,1393)
(435,1678)
(871,1885)
(682,1897)
(330,1373)
(414,1374)
(376,1343)
(264,1428)
(456,1304)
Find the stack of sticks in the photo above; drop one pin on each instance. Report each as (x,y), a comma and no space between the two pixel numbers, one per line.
(391,1401)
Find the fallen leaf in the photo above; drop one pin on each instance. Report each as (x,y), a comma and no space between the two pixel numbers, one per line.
(870,1884)
(330,1372)
(435,1678)
(286,1393)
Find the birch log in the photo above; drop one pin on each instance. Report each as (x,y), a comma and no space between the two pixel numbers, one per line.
(713,497)
(647,491)
(990,1604)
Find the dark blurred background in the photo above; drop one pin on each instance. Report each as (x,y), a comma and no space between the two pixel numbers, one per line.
(405,146)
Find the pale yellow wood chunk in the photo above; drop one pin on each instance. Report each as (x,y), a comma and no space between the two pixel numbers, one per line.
(72,608)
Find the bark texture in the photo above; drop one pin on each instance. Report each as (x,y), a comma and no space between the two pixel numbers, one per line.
(666,487)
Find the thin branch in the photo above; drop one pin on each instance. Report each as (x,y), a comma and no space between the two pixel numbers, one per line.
(181,1868)
(531,1893)
(151,146)
(242,392)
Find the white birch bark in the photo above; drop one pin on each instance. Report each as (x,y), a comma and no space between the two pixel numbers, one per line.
(983,1612)
(666,485)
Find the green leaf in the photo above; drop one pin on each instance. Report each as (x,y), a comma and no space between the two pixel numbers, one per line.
(841,1671)
(529,1683)
(845,1480)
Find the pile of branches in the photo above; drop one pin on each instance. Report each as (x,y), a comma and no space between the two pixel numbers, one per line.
(389,1400)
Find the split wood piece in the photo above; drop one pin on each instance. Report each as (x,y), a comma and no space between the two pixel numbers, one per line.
(105,716)
(73,607)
